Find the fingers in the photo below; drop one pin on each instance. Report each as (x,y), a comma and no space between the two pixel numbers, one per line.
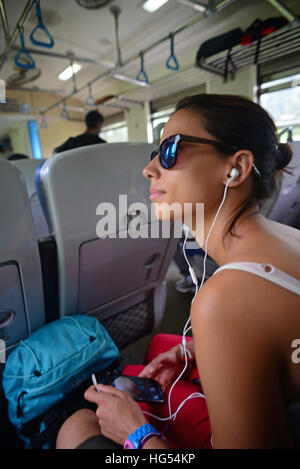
(109,390)
(92,395)
(151,369)
(146,372)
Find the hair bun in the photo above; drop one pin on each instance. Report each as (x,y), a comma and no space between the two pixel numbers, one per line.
(285,154)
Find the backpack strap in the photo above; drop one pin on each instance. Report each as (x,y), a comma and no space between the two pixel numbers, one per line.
(49,429)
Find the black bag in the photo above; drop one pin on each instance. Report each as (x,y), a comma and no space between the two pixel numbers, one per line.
(218,44)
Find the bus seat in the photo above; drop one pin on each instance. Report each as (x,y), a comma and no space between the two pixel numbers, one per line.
(28,168)
(286,208)
(21,291)
(120,280)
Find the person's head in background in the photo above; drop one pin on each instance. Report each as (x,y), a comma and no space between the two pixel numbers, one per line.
(17,156)
(94,121)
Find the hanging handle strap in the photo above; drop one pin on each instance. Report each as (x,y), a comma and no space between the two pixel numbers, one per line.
(64,113)
(172,62)
(229,60)
(28,63)
(90,101)
(43,124)
(142,75)
(41,26)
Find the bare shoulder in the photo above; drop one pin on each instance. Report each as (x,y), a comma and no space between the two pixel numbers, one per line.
(234,304)
(238,364)
(228,290)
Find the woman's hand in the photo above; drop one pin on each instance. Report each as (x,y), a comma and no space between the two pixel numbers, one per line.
(118,414)
(164,368)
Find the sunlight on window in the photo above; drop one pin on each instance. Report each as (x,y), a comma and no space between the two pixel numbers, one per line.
(115,133)
(284,107)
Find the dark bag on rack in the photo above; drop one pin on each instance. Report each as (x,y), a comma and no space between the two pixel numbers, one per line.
(224,42)
(218,44)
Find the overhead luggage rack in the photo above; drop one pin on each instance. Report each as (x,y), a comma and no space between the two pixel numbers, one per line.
(277,44)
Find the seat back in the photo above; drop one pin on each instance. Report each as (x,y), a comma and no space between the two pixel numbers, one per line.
(286,208)
(21,291)
(28,168)
(117,278)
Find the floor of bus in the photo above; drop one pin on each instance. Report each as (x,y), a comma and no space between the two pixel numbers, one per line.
(174,318)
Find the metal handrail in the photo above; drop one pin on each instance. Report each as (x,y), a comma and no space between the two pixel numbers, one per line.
(116,68)
(4,21)
(19,26)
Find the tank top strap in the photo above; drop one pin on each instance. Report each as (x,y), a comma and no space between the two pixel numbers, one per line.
(266,271)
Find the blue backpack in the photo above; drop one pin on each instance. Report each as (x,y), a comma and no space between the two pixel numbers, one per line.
(51,363)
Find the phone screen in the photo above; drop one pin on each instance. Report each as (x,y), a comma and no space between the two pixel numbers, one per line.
(141,389)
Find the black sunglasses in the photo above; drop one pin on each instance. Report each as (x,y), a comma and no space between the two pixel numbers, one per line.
(168,149)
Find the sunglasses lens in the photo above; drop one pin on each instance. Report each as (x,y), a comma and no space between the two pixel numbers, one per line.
(168,153)
(153,154)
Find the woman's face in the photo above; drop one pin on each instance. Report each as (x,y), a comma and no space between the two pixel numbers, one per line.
(197,175)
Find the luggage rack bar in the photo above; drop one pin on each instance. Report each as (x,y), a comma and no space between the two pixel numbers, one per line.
(279,43)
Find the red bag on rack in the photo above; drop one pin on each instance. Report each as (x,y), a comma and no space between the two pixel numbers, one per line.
(260,28)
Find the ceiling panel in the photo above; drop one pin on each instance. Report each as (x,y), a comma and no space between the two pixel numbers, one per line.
(90,34)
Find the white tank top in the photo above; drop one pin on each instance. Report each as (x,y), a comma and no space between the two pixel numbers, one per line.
(267,271)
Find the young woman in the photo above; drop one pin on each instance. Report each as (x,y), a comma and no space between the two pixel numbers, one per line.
(245,318)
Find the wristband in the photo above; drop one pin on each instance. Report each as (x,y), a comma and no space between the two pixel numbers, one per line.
(138,438)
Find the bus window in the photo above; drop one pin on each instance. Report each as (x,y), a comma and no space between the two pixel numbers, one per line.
(115,132)
(281,98)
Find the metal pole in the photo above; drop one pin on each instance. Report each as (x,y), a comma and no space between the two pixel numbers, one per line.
(36,89)
(19,25)
(57,103)
(286,12)
(115,11)
(190,23)
(4,20)
(196,6)
(105,64)
(66,56)
(111,72)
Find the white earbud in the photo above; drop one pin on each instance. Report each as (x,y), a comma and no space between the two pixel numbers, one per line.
(233,174)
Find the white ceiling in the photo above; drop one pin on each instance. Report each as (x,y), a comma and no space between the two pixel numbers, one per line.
(90,34)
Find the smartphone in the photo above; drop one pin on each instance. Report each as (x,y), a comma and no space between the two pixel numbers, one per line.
(141,389)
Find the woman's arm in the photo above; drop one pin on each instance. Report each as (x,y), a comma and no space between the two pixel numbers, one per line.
(155,443)
(238,365)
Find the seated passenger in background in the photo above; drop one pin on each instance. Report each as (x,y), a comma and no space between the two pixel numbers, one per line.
(94,121)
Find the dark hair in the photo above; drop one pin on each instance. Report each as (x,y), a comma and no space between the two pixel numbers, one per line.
(93,118)
(18,156)
(241,123)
